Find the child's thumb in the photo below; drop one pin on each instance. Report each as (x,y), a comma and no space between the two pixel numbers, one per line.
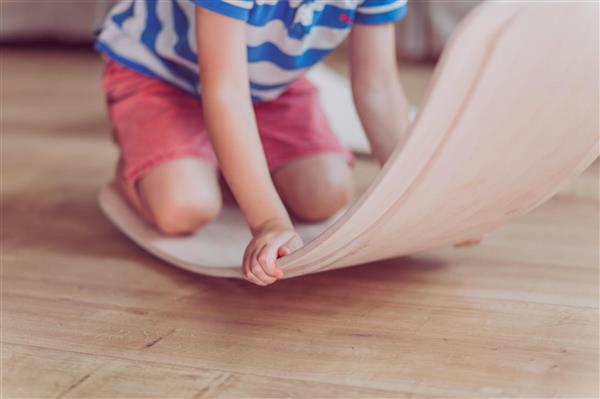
(283,251)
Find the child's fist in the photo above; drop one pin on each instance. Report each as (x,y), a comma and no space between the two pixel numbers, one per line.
(260,259)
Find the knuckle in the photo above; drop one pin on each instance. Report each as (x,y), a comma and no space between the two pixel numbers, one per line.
(255,268)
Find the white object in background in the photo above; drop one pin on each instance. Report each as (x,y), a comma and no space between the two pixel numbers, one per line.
(336,98)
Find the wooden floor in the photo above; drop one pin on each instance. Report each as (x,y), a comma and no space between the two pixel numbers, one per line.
(86,313)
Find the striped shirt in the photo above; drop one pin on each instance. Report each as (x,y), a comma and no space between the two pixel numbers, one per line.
(284,38)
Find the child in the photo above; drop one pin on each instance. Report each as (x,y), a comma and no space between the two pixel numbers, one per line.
(193,85)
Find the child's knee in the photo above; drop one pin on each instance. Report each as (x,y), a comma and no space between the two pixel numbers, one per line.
(178,215)
(319,191)
(330,199)
(181,196)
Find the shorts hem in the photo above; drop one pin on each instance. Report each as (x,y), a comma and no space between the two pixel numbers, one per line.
(279,163)
(132,175)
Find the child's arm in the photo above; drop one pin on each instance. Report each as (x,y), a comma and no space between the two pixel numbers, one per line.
(378,94)
(232,128)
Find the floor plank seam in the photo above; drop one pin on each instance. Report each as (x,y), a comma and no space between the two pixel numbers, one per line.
(387,389)
(470,297)
(78,382)
(221,381)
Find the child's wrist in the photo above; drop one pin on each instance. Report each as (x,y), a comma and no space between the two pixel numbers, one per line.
(272,224)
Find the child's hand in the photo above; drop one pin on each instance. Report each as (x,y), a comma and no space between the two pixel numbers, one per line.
(272,241)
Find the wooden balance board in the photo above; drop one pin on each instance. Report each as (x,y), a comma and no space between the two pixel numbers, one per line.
(510,116)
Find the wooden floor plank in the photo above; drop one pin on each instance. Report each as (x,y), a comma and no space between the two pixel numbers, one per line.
(496,338)
(65,374)
(463,277)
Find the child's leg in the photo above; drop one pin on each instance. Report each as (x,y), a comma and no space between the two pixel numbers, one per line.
(181,195)
(167,168)
(315,187)
(310,168)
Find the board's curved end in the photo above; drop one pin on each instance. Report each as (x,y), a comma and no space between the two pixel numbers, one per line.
(510,117)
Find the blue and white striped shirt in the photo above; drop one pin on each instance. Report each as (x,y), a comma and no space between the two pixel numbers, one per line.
(284,38)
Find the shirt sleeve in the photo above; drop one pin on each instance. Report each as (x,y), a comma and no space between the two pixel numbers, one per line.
(238,9)
(373,12)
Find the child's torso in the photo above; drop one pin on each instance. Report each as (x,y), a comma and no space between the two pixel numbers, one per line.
(284,38)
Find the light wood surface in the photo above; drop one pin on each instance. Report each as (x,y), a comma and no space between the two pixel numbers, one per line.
(501,130)
(488,145)
(87,313)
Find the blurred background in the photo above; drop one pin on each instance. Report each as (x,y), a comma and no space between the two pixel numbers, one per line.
(421,35)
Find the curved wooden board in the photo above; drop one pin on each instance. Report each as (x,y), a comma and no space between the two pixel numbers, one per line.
(511,115)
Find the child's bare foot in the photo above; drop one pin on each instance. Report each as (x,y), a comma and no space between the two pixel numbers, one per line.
(469,243)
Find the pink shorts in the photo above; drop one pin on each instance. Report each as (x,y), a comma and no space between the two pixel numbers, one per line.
(156,122)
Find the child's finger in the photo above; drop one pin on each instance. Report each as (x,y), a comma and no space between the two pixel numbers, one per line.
(293,244)
(283,251)
(251,277)
(286,249)
(247,269)
(266,258)
(258,271)
(255,280)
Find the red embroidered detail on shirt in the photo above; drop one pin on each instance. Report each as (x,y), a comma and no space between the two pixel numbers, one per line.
(345,18)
